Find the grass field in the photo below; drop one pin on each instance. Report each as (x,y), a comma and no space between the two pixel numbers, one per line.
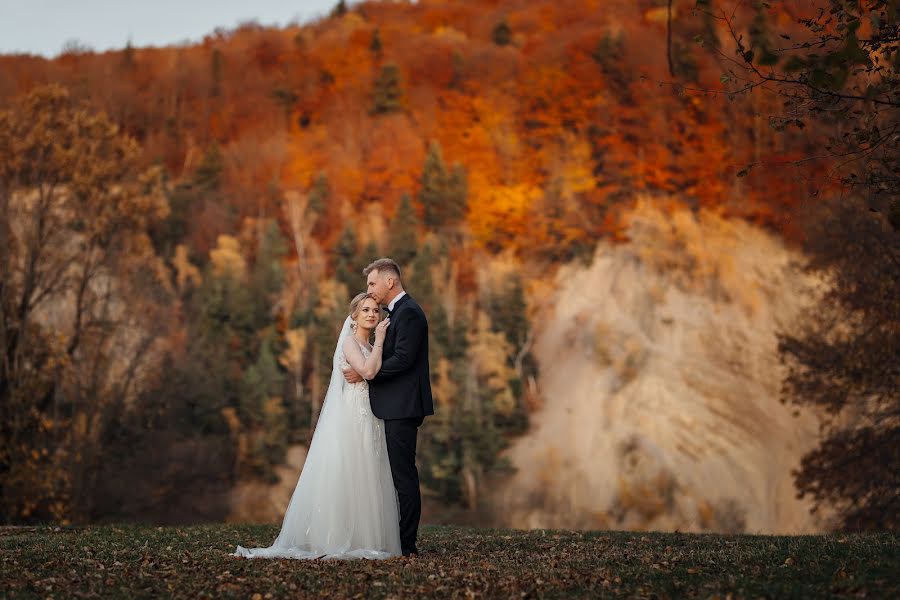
(128,561)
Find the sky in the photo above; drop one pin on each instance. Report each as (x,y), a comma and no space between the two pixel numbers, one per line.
(44,26)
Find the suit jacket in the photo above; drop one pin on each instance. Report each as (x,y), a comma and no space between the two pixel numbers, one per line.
(402,387)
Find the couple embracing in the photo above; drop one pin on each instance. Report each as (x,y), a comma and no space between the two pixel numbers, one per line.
(358,493)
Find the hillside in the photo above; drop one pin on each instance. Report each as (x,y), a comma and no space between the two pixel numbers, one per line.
(495,148)
(572,105)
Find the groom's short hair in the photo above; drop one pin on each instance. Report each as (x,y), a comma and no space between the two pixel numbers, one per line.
(383,265)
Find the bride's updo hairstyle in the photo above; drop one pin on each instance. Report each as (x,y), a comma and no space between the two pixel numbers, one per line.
(356,303)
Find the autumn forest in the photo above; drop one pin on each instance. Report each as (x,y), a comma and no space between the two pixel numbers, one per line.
(183,228)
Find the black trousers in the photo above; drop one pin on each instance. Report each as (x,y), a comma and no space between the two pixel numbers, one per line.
(400,435)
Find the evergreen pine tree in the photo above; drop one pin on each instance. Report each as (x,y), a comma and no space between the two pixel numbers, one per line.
(502,33)
(286,98)
(388,92)
(609,48)
(340,9)
(404,232)
(506,309)
(421,276)
(345,261)
(209,172)
(261,406)
(320,194)
(128,56)
(458,67)
(434,177)
(444,193)
(369,254)
(216,68)
(267,277)
(261,380)
(457,195)
(439,331)
(375,46)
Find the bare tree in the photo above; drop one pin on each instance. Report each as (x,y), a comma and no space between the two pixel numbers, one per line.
(74,329)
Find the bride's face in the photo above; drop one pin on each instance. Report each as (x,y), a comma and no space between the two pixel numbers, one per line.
(367,316)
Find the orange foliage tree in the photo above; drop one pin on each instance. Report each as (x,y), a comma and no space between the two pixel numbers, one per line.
(75,208)
(553,113)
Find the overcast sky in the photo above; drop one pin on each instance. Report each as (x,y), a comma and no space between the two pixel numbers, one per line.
(43,26)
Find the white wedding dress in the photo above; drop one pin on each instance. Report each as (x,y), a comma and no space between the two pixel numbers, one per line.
(345,504)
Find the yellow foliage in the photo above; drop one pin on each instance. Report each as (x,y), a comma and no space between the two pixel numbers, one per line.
(444,388)
(489,352)
(292,357)
(351,21)
(577,172)
(229,413)
(504,402)
(80,425)
(706,514)
(659,14)
(273,408)
(499,213)
(450,33)
(332,295)
(184,269)
(226,258)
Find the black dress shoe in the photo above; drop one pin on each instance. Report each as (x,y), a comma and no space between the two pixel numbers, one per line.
(414,552)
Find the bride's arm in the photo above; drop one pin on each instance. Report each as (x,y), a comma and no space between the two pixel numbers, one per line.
(366,367)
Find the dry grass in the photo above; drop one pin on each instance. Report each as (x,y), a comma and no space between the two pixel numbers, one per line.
(129,561)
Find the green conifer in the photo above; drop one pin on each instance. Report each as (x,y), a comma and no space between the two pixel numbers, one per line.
(388,92)
(346,256)
(375,46)
(502,33)
(444,193)
(209,172)
(404,232)
(320,194)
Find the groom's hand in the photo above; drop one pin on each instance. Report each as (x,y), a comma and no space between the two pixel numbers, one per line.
(352,376)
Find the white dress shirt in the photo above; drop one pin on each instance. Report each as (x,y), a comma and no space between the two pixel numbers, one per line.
(394,301)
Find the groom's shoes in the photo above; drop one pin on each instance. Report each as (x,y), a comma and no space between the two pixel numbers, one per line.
(414,553)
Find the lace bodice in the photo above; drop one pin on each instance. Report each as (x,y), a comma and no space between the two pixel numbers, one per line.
(366,352)
(356,395)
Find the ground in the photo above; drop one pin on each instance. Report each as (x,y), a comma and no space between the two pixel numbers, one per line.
(138,561)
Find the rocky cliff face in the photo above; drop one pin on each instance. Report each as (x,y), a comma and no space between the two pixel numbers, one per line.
(660,382)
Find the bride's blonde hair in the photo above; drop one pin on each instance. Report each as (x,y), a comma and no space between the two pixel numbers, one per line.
(356,303)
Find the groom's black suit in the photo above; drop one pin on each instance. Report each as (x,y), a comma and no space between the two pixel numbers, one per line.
(401,395)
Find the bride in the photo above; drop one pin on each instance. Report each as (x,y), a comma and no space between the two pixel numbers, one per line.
(345,504)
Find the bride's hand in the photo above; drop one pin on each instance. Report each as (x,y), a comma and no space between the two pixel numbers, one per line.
(352,376)
(381,331)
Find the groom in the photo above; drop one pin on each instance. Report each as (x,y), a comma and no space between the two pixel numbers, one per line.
(400,393)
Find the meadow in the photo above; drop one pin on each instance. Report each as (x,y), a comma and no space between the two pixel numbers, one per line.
(140,561)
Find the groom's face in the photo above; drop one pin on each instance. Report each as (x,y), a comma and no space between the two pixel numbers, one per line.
(378,285)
